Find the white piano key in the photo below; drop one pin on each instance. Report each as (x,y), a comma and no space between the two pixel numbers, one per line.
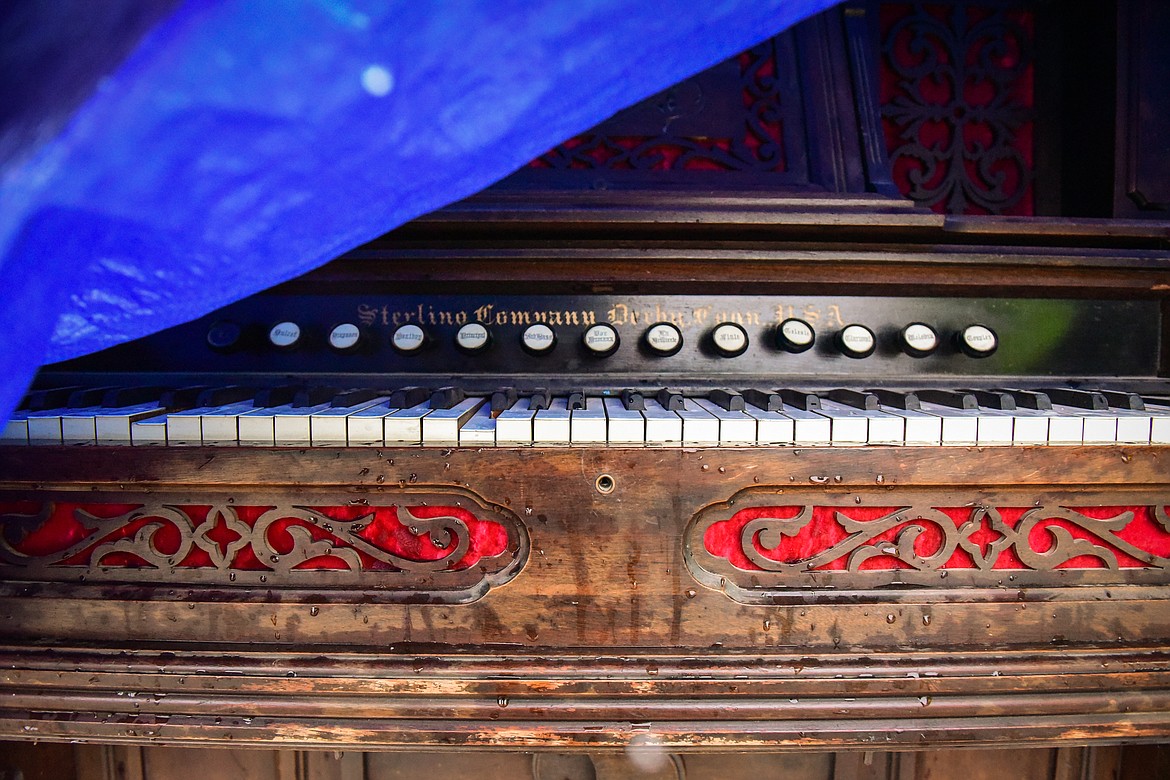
(442,426)
(79,426)
(1134,427)
(16,429)
(213,424)
(1099,426)
(735,427)
(626,426)
(292,424)
(514,425)
(114,425)
(849,425)
(587,426)
(331,426)
(367,425)
(405,425)
(996,427)
(873,426)
(45,426)
(959,426)
(151,430)
(258,426)
(1063,429)
(809,428)
(480,429)
(771,427)
(1029,426)
(551,425)
(698,425)
(662,425)
(919,428)
(1159,424)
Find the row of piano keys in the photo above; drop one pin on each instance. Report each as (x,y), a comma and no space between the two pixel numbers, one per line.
(448,416)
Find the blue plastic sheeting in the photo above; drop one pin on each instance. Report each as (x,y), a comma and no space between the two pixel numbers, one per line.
(241,143)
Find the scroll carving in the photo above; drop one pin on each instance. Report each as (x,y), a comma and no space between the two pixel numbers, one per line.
(957,104)
(430,546)
(760,545)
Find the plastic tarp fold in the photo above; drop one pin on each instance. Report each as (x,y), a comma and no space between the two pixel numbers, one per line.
(220,148)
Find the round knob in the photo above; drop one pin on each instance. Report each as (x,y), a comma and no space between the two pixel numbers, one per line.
(663,339)
(918,339)
(977,341)
(538,339)
(285,335)
(795,335)
(408,339)
(472,338)
(224,336)
(730,340)
(601,340)
(856,341)
(345,337)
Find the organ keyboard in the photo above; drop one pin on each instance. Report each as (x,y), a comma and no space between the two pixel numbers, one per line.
(716,520)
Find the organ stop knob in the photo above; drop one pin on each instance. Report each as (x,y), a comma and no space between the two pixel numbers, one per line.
(856,341)
(472,338)
(977,341)
(663,339)
(345,337)
(408,339)
(284,335)
(538,339)
(601,340)
(729,339)
(795,335)
(918,339)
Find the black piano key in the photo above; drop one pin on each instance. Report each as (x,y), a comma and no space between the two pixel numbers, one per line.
(230,394)
(1030,399)
(1156,400)
(897,399)
(994,399)
(54,398)
(314,396)
(132,396)
(406,397)
(447,397)
(276,396)
(761,399)
(671,400)
(541,398)
(576,400)
(1081,399)
(89,396)
(798,399)
(503,399)
(855,398)
(182,397)
(353,397)
(1120,400)
(633,400)
(955,399)
(729,400)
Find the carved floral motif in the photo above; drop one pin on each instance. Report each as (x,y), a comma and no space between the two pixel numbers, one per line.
(455,549)
(957,104)
(755,546)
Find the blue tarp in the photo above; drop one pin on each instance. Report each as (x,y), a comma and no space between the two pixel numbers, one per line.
(163,159)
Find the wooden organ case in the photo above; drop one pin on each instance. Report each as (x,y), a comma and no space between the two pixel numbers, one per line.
(823,585)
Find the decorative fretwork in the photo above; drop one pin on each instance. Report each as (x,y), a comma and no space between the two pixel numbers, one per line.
(757,547)
(957,104)
(731,118)
(435,546)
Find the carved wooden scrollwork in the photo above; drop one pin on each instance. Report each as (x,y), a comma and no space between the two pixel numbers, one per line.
(764,543)
(443,546)
(957,104)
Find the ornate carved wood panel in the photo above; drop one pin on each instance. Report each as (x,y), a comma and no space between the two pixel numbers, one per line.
(443,545)
(957,103)
(765,545)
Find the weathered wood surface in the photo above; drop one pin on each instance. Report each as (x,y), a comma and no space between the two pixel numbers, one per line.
(604,636)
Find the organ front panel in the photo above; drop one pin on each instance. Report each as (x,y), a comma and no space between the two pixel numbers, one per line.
(803,468)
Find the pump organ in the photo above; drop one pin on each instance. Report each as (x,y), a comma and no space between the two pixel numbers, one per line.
(704,432)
